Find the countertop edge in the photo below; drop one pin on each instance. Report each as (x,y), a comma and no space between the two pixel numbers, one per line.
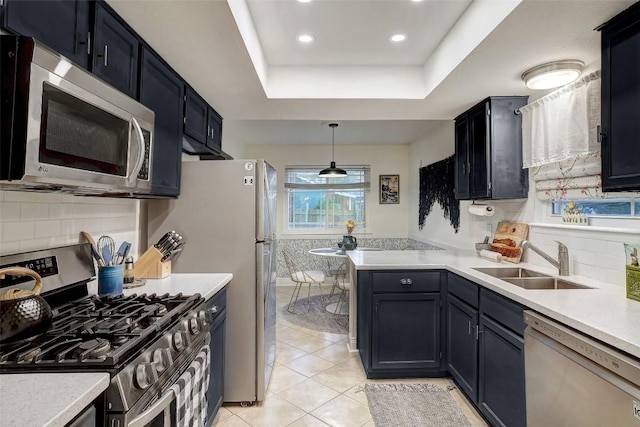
(59,415)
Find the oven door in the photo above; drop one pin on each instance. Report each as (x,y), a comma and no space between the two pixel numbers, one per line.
(81,138)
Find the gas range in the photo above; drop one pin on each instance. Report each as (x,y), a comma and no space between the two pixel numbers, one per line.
(97,331)
(143,341)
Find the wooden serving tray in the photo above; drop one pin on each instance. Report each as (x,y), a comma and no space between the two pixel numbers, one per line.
(508,238)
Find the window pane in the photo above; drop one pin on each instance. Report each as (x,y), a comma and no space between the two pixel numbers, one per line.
(594,207)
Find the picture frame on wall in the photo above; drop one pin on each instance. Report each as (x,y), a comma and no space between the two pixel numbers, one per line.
(389,189)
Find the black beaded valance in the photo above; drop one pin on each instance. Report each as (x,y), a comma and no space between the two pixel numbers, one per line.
(437,182)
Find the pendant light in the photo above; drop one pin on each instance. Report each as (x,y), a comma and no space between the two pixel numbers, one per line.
(333,170)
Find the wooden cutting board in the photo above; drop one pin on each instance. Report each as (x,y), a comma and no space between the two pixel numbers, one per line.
(508,238)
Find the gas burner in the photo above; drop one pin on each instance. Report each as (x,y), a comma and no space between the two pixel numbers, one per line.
(93,349)
(119,340)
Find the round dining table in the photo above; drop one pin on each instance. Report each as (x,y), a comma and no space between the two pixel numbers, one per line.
(342,255)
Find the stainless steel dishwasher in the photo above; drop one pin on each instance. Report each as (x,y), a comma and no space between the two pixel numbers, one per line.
(574,380)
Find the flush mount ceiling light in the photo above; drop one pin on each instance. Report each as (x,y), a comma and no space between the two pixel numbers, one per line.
(306,38)
(304,1)
(396,38)
(333,170)
(552,74)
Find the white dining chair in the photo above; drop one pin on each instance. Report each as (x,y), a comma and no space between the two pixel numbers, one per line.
(300,276)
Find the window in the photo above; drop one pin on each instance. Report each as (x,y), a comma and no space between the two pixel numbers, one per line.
(622,207)
(324,204)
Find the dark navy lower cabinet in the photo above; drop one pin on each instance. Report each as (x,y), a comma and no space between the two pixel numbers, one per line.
(501,397)
(462,345)
(485,350)
(399,324)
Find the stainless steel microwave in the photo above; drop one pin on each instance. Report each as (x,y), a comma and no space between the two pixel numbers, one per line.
(64,129)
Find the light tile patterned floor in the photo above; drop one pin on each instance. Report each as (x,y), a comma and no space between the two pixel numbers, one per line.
(316,383)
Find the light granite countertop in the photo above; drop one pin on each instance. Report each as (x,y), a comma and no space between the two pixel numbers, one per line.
(47,400)
(205,284)
(603,312)
(54,399)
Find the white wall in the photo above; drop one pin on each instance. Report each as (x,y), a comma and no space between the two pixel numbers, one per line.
(31,221)
(392,159)
(595,252)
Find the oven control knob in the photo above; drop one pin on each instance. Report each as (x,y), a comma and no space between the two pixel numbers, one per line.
(194,326)
(145,375)
(178,341)
(202,317)
(162,359)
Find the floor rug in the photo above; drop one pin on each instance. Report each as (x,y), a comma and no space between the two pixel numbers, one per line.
(317,318)
(411,405)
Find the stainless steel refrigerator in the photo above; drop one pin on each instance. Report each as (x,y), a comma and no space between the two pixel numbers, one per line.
(226,213)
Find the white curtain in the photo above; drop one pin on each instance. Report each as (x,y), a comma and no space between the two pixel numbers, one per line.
(563,124)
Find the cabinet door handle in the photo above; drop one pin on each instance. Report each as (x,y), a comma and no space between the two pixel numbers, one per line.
(406,281)
(469,327)
(376,308)
(478,332)
(208,131)
(106,55)
(89,43)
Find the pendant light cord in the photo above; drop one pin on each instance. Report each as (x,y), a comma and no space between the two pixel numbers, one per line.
(333,140)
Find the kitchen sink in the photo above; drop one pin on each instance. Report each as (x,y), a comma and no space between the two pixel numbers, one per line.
(542,283)
(516,272)
(529,279)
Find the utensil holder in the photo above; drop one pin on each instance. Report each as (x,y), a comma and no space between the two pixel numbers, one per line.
(150,265)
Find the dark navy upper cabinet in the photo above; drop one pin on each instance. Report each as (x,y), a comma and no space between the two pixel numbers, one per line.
(400,323)
(621,101)
(202,125)
(195,116)
(162,91)
(62,25)
(214,131)
(488,144)
(116,51)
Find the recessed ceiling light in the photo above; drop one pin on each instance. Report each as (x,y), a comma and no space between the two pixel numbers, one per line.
(309,1)
(306,38)
(415,1)
(398,38)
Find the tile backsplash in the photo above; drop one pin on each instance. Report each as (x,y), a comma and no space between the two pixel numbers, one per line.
(31,221)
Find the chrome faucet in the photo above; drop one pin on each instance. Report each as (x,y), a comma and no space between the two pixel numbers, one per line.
(562,264)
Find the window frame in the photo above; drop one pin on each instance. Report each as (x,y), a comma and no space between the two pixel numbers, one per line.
(338,228)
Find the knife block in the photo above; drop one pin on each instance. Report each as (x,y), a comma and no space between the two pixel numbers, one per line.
(150,266)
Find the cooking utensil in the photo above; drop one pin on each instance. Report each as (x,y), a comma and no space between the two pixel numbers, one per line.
(94,249)
(24,314)
(107,255)
(122,253)
(106,242)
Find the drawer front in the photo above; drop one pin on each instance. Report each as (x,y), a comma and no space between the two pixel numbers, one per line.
(464,289)
(406,281)
(502,310)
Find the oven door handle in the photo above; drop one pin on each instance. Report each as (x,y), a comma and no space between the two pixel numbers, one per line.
(147,416)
